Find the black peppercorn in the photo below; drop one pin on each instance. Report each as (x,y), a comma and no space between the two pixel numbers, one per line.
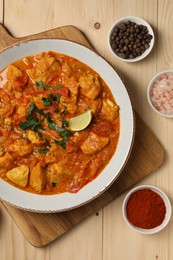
(130,40)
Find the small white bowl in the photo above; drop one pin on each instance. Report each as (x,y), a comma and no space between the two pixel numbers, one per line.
(150,87)
(136,20)
(167,204)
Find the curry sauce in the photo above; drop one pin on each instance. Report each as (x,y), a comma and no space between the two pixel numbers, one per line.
(39,153)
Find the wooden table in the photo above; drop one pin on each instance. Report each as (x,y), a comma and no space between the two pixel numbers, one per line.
(102,236)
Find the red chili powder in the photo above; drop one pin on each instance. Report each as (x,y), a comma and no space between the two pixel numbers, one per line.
(145,209)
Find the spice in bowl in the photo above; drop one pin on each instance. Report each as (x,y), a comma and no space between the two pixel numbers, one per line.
(160,93)
(131,39)
(146,209)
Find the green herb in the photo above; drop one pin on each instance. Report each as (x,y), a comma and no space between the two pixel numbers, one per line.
(39,134)
(62,143)
(47,102)
(64,122)
(48,87)
(40,85)
(32,123)
(47,116)
(65,133)
(58,87)
(53,184)
(58,96)
(52,125)
(26,139)
(56,110)
(39,111)
(64,112)
(43,151)
(51,97)
(31,108)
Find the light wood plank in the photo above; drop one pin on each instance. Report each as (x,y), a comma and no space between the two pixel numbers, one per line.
(1,11)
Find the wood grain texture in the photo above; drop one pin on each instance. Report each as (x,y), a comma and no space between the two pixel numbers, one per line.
(1,11)
(147,155)
(104,236)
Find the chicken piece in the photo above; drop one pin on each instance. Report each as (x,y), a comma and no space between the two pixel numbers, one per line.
(109,110)
(70,102)
(20,148)
(73,86)
(6,106)
(7,121)
(19,175)
(17,77)
(94,143)
(37,178)
(22,111)
(33,137)
(41,70)
(6,163)
(86,103)
(45,62)
(66,68)
(90,86)
(55,153)
(71,108)
(57,173)
(13,73)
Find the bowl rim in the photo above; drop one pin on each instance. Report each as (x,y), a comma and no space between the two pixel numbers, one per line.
(54,203)
(167,204)
(150,85)
(138,20)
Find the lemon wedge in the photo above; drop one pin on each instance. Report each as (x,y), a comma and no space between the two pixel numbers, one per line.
(81,121)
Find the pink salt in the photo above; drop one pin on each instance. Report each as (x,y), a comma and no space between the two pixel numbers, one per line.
(162,94)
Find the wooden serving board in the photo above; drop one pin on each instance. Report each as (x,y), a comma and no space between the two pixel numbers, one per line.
(146,156)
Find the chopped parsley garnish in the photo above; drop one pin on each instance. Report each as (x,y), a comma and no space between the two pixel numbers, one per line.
(35,124)
(64,122)
(64,112)
(40,85)
(32,123)
(31,108)
(47,102)
(56,110)
(65,133)
(51,97)
(62,143)
(58,96)
(43,151)
(58,87)
(52,125)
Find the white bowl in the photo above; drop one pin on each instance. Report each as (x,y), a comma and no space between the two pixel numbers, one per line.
(167,204)
(150,87)
(136,20)
(66,201)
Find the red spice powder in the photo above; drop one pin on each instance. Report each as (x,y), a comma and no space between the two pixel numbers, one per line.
(145,209)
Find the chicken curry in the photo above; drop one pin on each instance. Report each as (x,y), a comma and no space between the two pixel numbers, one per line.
(39,152)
